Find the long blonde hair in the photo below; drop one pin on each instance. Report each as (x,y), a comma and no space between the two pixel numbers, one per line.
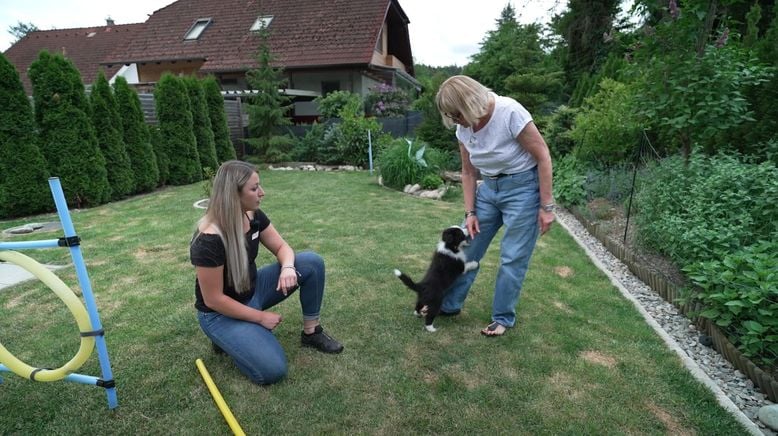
(462,95)
(226,214)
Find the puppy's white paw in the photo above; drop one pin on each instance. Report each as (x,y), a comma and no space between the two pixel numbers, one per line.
(397,272)
(430,328)
(417,314)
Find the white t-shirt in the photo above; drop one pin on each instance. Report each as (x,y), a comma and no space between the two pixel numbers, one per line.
(494,149)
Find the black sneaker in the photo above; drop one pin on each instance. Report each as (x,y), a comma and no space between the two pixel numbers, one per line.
(452,313)
(321,341)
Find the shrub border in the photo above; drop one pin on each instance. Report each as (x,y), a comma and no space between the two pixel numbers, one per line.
(670,293)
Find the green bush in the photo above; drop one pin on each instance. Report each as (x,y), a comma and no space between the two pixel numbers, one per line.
(558,133)
(569,179)
(331,104)
(351,141)
(67,136)
(177,139)
(137,138)
(23,173)
(206,147)
(606,130)
(110,138)
(160,152)
(221,131)
(431,181)
(431,130)
(403,162)
(740,294)
(707,209)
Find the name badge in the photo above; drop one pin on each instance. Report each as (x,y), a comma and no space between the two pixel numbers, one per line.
(255,236)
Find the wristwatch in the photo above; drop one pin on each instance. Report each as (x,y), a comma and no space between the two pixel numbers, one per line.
(548,207)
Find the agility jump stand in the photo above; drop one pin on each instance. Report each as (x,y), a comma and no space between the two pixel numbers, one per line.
(91,330)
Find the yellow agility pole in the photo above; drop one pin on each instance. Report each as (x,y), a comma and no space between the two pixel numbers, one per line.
(76,308)
(217,398)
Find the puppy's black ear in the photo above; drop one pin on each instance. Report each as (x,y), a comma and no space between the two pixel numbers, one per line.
(448,237)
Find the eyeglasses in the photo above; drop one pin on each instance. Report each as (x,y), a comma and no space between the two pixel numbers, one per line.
(456,117)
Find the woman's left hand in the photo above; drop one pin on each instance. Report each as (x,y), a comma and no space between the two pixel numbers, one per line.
(287,280)
(544,220)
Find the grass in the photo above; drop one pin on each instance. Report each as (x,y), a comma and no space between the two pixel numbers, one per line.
(580,361)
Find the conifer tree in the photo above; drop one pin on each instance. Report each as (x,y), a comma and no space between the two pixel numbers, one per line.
(221,131)
(163,161)
(206,148)
(110,138)
(67,137)
(136,137)
(23,173)
(177,138)
(268,107)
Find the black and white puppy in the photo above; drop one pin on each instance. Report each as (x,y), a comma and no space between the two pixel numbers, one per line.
(448,263)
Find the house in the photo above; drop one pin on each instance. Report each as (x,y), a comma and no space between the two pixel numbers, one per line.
(85,47)
(322,45)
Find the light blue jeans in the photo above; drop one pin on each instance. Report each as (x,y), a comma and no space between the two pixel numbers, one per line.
(253,348)
(513,201)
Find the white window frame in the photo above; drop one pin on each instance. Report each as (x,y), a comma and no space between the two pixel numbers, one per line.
(197,29)
(261,21)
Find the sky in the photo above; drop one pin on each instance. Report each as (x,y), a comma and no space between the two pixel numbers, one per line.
(442,32)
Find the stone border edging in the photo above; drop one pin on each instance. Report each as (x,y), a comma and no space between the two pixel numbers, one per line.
(690,364)
(670,292)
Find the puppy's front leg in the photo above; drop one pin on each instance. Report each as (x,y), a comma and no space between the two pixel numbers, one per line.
(469,266)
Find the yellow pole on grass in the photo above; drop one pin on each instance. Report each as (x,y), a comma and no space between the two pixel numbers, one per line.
(217,398)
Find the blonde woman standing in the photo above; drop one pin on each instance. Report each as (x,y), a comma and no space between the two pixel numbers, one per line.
(233,296)
(497,139)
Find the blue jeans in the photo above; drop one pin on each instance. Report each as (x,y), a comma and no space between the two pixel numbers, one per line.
(513,201)
(253,348)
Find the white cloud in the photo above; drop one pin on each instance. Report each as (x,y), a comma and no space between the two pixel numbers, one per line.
(443,32)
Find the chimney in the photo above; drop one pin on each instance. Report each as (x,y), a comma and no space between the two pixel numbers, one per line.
(109,21)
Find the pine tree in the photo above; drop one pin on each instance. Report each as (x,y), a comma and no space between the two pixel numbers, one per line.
(67,137)
(177,138)
(110,138)
(221,131)
(160,151)
(206,148)
(136,137)
(268,107)
(23,173)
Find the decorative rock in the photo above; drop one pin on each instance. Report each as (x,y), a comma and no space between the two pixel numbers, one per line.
(769,416)
(414,188)
(407,188)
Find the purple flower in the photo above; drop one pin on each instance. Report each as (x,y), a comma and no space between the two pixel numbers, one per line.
(723,38)
(674,11)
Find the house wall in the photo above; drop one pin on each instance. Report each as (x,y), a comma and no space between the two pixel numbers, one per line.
(151,72)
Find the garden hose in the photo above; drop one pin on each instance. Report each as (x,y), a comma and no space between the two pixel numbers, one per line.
(76,308)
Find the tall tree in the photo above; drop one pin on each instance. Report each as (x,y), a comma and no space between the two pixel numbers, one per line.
(221,131)
(67,137)
(176,130)
(110,138)
(268,108)
(23,173)
(512,62)
(20,30)
(136,137)
(583,27)
(206,148)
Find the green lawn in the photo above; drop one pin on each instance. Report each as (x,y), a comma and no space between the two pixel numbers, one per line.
(580,361)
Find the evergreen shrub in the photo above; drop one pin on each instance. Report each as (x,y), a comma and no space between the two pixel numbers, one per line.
(137,138)
(176,131)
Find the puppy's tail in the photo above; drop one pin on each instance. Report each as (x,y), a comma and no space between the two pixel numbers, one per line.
(407,281)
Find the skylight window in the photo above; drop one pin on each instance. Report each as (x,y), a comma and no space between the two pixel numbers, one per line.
(197,28)
(263,21)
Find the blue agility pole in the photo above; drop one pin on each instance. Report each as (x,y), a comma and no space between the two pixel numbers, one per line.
(72,241)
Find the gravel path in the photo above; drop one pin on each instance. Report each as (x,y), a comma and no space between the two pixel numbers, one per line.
(733,389)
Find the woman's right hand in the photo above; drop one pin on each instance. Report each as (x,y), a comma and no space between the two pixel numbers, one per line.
(269,320)
(472,226)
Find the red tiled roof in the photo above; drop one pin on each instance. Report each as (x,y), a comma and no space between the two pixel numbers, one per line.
(303,33)
(84,50)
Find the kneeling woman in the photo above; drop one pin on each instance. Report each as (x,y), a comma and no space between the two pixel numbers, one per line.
(233,295)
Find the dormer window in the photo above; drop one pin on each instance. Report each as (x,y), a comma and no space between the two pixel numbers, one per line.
(197,28)
(263,21)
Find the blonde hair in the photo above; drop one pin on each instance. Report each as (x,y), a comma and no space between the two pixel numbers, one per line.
(462,95)
(226,214)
